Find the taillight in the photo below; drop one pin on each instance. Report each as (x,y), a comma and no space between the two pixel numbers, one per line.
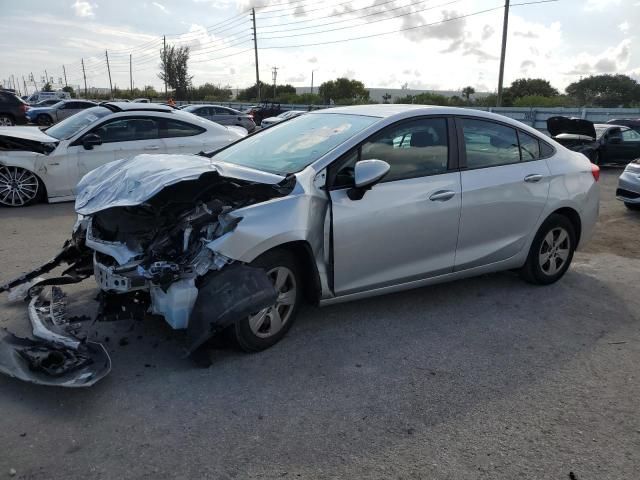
(24,108)
(595,171)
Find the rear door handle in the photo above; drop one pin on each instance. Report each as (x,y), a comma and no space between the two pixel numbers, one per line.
(152,147)
(442,196)
(533,178)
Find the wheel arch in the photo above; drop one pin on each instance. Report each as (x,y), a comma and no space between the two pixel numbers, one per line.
(574,217)
(303,255)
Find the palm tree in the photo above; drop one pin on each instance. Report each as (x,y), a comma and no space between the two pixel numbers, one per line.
(467,92)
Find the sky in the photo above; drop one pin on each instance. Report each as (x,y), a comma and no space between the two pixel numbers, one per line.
(428,44)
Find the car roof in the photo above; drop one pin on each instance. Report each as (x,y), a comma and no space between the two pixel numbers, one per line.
(131,106)
(610,125)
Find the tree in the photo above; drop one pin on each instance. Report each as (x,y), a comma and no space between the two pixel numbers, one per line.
(606,91)
(425,98)
(467,92)
(386,97)
(69,90)
(539,101)
(524,87)
(47,87)
(251,93)
(212,93)
(344,91)
(174,69)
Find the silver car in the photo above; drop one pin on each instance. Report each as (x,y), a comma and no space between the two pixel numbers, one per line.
(45,116)
(222,115)
(334,205)
(628,190)
(267,122)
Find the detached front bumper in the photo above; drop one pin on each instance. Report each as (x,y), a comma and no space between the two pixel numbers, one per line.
(56,356)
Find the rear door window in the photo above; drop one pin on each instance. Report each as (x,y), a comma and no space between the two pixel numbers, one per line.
(489,144)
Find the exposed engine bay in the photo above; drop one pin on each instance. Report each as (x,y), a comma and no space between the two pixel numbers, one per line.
(159,247)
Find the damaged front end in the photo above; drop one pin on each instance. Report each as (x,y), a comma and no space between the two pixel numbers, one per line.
(159,244)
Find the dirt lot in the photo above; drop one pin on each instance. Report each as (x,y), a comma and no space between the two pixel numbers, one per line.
(486,378)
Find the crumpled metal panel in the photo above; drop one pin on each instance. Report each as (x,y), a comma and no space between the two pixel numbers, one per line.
(132,181)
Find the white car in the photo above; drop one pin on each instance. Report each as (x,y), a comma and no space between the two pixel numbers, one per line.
(48,164)
(267,122)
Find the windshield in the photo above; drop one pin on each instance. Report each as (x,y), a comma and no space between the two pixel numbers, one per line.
(291,146)
(600,131)
(68,127)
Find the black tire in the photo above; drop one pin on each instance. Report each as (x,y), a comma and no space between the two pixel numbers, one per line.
(244,335)
(632,206)
(27,189)
(44,120)
(6,120)
(539,273)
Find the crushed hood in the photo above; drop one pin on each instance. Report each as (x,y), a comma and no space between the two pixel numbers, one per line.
(130,182)
(33,134)
(576,126)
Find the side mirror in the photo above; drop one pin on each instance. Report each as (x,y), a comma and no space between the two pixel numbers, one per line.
(90,140)
(366,174)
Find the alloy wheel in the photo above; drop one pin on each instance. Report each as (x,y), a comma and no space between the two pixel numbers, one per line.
(18,186)
(269,321)
(5,121)
(554,251)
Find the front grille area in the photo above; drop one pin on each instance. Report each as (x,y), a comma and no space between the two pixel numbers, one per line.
(621,192)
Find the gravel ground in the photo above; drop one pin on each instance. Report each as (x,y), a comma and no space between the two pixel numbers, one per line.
(486,378)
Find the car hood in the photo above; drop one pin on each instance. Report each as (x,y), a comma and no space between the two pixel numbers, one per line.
(33,134)
(577,126)
(132,181)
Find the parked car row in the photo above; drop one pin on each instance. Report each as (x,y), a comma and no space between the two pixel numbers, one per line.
(48,164)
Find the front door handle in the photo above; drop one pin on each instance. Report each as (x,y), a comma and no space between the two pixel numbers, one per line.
(442,196)
(152,147)
(533,178)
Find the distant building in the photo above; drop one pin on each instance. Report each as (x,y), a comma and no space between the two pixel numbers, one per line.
(377,94)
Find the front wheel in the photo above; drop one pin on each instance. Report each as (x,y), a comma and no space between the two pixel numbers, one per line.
(632,206)
(6,121)
(551,251)
(267,327)
(18,187)
(44,120)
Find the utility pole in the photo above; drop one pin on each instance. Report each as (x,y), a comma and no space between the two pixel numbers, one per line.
(255,47)
(312,81)
(85,79)
(46,77)
(26,92)
(505,28)
(106,54)
(274,74)
(164,62)
(131,73)
(16,82)
(64,71)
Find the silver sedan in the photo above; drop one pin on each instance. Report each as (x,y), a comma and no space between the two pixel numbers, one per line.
(334,205)
(629,186)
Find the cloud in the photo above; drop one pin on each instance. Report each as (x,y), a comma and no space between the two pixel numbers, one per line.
(83,9)
(612,60)
(600,5)
(295,78)
(528,34)
(160,7)
(526,65)
(487,31)
(624,27)
(313,59)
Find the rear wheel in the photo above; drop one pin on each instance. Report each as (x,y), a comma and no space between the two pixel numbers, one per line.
(632,206)
(6,121)
(18,187)
(44,120)
(551,251)
(267,327)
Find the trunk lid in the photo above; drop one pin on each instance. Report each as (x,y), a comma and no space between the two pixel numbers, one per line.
(575,126)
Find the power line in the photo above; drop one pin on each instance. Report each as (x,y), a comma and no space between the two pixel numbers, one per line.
(368,23)
(446,20)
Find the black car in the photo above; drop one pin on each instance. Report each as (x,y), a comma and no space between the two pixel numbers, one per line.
(601,142)
(12,109)
(633,123)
